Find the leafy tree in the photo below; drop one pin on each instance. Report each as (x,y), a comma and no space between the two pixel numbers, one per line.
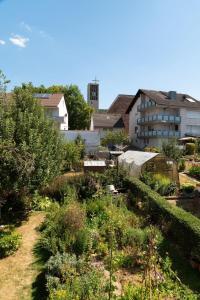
(31,148)
(171,149)
(118,137)
(79,111)
(72,155)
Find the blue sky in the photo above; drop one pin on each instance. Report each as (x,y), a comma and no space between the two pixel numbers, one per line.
(127,44)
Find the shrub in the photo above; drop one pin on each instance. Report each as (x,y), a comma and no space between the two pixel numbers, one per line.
(181,165)
(187,188)
(117,137)
(63,229)
(9,243)
(159,183)
(171,149)
(176,222)
(68,276)
(195,171)
(57,189)
(39,202)
(190,148)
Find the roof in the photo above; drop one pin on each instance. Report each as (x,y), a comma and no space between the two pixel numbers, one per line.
(94,163)
(120,104)
(49,100)
(163,98)
(107,120)
(138,158)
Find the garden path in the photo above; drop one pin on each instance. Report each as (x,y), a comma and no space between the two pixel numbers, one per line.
(18,271)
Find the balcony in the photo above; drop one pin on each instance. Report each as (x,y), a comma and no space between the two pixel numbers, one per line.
(159,134)
(145,106)
(159,119)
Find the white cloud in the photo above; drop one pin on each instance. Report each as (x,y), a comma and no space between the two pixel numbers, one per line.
(2,42)
(19,41)
(26,26)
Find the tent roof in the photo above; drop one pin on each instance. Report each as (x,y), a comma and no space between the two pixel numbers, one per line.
(137,157)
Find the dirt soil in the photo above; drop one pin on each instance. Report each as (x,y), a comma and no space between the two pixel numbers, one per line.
(18,271)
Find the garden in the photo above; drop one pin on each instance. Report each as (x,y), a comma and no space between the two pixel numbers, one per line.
(103,246)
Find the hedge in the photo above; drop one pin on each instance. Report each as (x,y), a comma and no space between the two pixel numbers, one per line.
(181,226)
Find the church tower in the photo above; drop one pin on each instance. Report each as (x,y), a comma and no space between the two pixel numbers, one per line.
(93,94)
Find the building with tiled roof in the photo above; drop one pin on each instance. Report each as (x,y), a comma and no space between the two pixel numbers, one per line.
(156,116)
(55,107)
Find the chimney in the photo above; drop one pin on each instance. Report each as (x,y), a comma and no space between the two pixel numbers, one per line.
(172,95)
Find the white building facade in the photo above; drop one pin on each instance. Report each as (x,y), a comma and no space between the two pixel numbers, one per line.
(55,108)
(159,116)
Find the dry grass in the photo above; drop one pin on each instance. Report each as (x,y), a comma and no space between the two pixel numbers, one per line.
(18,272)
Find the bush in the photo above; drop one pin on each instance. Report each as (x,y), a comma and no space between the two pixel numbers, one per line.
(9,243)
(181,165)
(159,183)
(187,188)
(40,203)
(72,278)
(177,223)
(171,149)
(190,148)
(63,229)
(118,137)
(195,171)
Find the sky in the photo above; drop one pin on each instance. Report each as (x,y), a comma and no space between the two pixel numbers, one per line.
(126,44)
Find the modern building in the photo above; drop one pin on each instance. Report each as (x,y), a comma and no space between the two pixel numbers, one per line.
(55,107)
(93,94)
(156,116)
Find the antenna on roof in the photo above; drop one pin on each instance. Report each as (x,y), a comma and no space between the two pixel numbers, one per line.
(95,80)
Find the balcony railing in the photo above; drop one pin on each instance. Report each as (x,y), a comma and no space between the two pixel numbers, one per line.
(145,105)
(159,119)
(159,133)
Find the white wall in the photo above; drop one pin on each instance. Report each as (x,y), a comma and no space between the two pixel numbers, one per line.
(91,138)
(190,121)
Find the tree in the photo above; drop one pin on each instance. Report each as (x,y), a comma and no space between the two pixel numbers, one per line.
(171,149)
(115,137)
(31,148)
(79,111)
(72,155)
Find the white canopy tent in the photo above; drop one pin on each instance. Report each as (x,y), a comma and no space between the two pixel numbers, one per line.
(134,160)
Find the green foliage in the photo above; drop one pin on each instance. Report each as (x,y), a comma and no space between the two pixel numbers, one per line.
(9,243)
(171,150)
(72,278)
(63,230)
(73,153)
(78,110)
(181,165)
(40,203)
(31,148)
(195,171)
(159,183)
(176,222)
(187,188)
(190,148)
(115,137)
(57,189)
